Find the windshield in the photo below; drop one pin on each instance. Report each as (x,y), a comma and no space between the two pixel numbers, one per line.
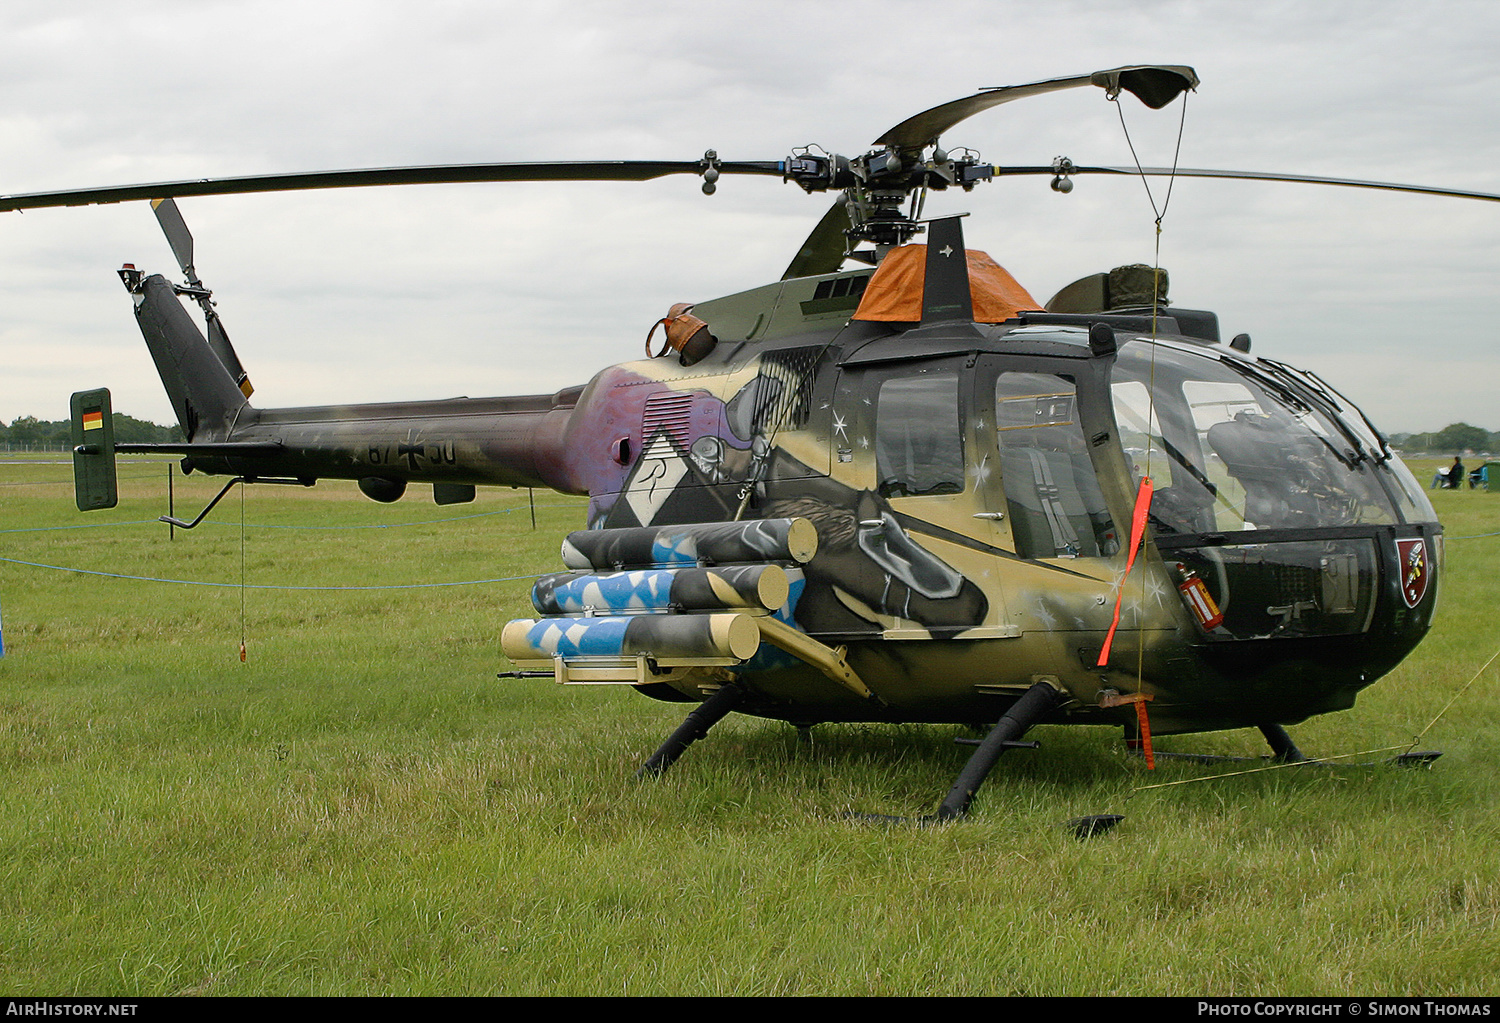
(1233,446)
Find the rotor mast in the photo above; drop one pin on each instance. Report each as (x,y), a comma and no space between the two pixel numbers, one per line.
(909,160)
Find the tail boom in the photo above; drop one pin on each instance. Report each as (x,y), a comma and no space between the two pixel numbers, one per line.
(508,441)
(454,444)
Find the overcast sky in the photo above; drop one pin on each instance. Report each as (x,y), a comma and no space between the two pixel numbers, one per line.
(435,291)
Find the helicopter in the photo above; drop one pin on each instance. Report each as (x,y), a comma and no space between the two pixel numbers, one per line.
(905,491)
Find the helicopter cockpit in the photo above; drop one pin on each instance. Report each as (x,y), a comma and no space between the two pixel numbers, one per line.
(1267,486)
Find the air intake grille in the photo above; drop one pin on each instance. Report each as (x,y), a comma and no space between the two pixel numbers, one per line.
(670,413)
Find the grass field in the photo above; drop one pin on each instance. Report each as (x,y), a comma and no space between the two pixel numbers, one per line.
(361,807)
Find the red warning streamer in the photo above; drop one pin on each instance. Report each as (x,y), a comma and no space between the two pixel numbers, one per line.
(1142,741)
(1144,723)
(1137,533)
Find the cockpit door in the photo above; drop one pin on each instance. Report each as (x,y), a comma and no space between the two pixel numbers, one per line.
(902,445)
(1040,485)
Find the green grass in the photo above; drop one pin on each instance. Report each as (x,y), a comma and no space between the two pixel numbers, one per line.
(362,807)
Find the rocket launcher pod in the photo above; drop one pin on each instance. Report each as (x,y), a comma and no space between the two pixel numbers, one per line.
(759,587)
(759,540)
(702,639)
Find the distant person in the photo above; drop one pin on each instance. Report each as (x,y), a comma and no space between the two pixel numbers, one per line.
(1451,478)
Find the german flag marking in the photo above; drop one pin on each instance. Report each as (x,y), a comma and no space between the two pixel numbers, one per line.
(93,420)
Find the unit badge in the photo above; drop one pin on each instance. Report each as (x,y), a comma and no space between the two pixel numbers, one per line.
(1415,569)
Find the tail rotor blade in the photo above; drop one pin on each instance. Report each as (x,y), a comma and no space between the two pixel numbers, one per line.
(218,340)
(178,235)
(181,240)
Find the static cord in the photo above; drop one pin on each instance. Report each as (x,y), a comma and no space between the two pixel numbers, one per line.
(1342,756)
(1160,215)
(1176,152)
(243,658)
(1418,737)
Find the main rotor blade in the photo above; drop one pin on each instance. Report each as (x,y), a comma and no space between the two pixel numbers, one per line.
(1154,85)
(606,170)
(823,251)
(1302,179)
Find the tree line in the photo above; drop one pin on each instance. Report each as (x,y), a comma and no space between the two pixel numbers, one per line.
(1451,439)
(28,433)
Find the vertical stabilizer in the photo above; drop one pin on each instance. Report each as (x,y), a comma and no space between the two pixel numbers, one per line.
(203,394)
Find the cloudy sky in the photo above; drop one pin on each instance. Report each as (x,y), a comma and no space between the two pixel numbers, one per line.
(435,291)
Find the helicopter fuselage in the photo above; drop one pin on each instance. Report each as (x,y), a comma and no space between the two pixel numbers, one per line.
(973,488)
(906,494)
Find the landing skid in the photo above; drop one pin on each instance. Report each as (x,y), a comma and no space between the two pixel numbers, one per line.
(1285,751)
(703,717)
(1035,704)
(1417,758)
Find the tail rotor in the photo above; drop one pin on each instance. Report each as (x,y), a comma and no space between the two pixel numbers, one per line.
(181,240)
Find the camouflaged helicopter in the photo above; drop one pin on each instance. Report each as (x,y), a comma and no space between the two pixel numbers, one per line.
(902,492)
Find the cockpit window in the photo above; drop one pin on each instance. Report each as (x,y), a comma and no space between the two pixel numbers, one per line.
(1231,447)
(1141,433)
(1056,508)
(1218,401)
(919,447)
